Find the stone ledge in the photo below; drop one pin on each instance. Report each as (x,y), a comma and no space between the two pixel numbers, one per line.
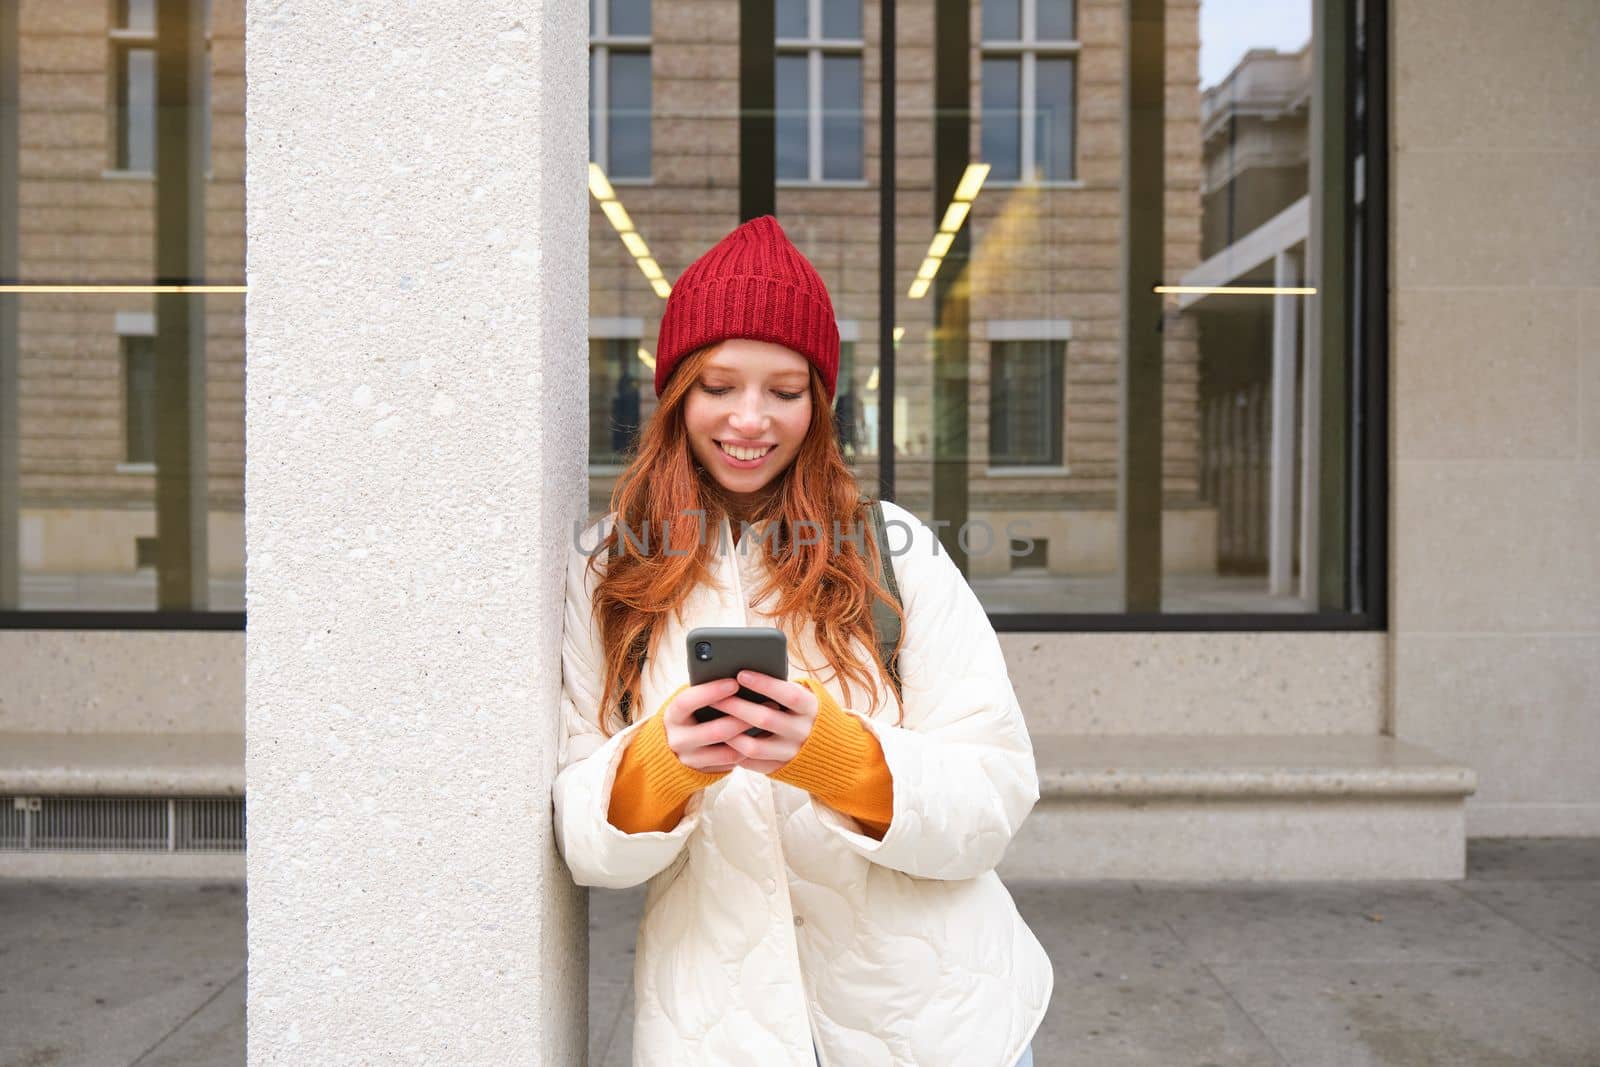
(144,765)
(1091,766)
(1182,808)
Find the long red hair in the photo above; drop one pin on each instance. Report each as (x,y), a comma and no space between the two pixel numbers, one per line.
(658,493)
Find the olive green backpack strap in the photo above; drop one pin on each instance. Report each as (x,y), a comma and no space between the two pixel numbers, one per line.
(884,619)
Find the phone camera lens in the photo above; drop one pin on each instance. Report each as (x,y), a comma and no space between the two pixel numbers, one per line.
(702,650)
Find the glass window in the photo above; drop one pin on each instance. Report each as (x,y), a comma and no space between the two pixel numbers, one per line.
(629,18)
(790,18)
(139,387)
(79,483)
(819,127)
(615,382)
(137,15)
(621,106)
(1054,20)
(1025,403)
(1052,139)
(629,114)
(841,19)
(1002,20)
(136,109)
(1002,118)
(989,424)
(793,132)
(841,117)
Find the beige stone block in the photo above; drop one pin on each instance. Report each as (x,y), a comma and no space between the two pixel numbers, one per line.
(1200,683)
(1476,218)
(44,17)
(1200,839)
(1503,77)
(1520,709)
(89,681)
(1496,545)
(1488,374)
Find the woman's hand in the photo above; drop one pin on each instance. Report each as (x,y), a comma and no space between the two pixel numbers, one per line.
(789,722)
(698,745)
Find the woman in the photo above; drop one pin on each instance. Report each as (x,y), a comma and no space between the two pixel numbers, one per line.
(826,889)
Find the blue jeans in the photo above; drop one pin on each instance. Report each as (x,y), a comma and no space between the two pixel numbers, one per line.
(1025,1060)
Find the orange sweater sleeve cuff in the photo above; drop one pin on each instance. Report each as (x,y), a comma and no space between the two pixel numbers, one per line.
(842,765)
(652,788)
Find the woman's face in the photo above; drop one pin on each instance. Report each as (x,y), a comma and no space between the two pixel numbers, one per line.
(755,397)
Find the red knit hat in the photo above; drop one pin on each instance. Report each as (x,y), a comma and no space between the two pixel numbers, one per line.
(753,283)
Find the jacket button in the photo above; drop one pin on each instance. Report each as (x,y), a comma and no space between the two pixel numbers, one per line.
(798,921)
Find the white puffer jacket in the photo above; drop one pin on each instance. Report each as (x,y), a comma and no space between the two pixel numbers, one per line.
(770,921)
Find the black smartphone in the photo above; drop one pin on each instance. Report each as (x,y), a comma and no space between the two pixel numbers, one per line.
(723,651)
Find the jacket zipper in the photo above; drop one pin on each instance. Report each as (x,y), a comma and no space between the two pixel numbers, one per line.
(770,807)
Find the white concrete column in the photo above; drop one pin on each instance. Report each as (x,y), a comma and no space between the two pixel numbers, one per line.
(417,263)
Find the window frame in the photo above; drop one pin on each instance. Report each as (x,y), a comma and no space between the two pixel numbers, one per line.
(122,40)
(814,47)
(1021,331)
(616,328)
(1028,49)
(602,44)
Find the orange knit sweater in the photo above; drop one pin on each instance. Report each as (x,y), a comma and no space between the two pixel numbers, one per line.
(841,764)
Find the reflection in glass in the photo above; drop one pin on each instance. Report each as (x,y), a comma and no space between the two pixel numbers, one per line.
(136,109)
(1002,20)
(629,18)
(1054,20)
(790,18)
(1002,118)
(841,117)
(1025,403)
(841,19)
(139,15)
(1052,139)
(614,385)
(793,78)
(127,494)
(629,107)
(139,387)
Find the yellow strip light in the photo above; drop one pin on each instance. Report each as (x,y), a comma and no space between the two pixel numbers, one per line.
(1240,290)
(600,188)
(956,214)
(123,289)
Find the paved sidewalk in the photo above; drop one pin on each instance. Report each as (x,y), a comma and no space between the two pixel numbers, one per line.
(1502,968)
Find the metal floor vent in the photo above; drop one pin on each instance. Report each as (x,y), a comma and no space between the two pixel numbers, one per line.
(121,824)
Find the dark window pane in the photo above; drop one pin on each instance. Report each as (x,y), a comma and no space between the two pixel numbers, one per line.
(615,378)
(1002,118)
(629,133)
(1052,135)
(790,17)
(139,393)
(841,19)
(791,119)
(1002,20)
(630,17)
(136,109)
(137,15)
(1054,20)
(841,117)
(1025,403)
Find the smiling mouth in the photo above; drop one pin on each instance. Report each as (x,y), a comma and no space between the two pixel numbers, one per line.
(745,453)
